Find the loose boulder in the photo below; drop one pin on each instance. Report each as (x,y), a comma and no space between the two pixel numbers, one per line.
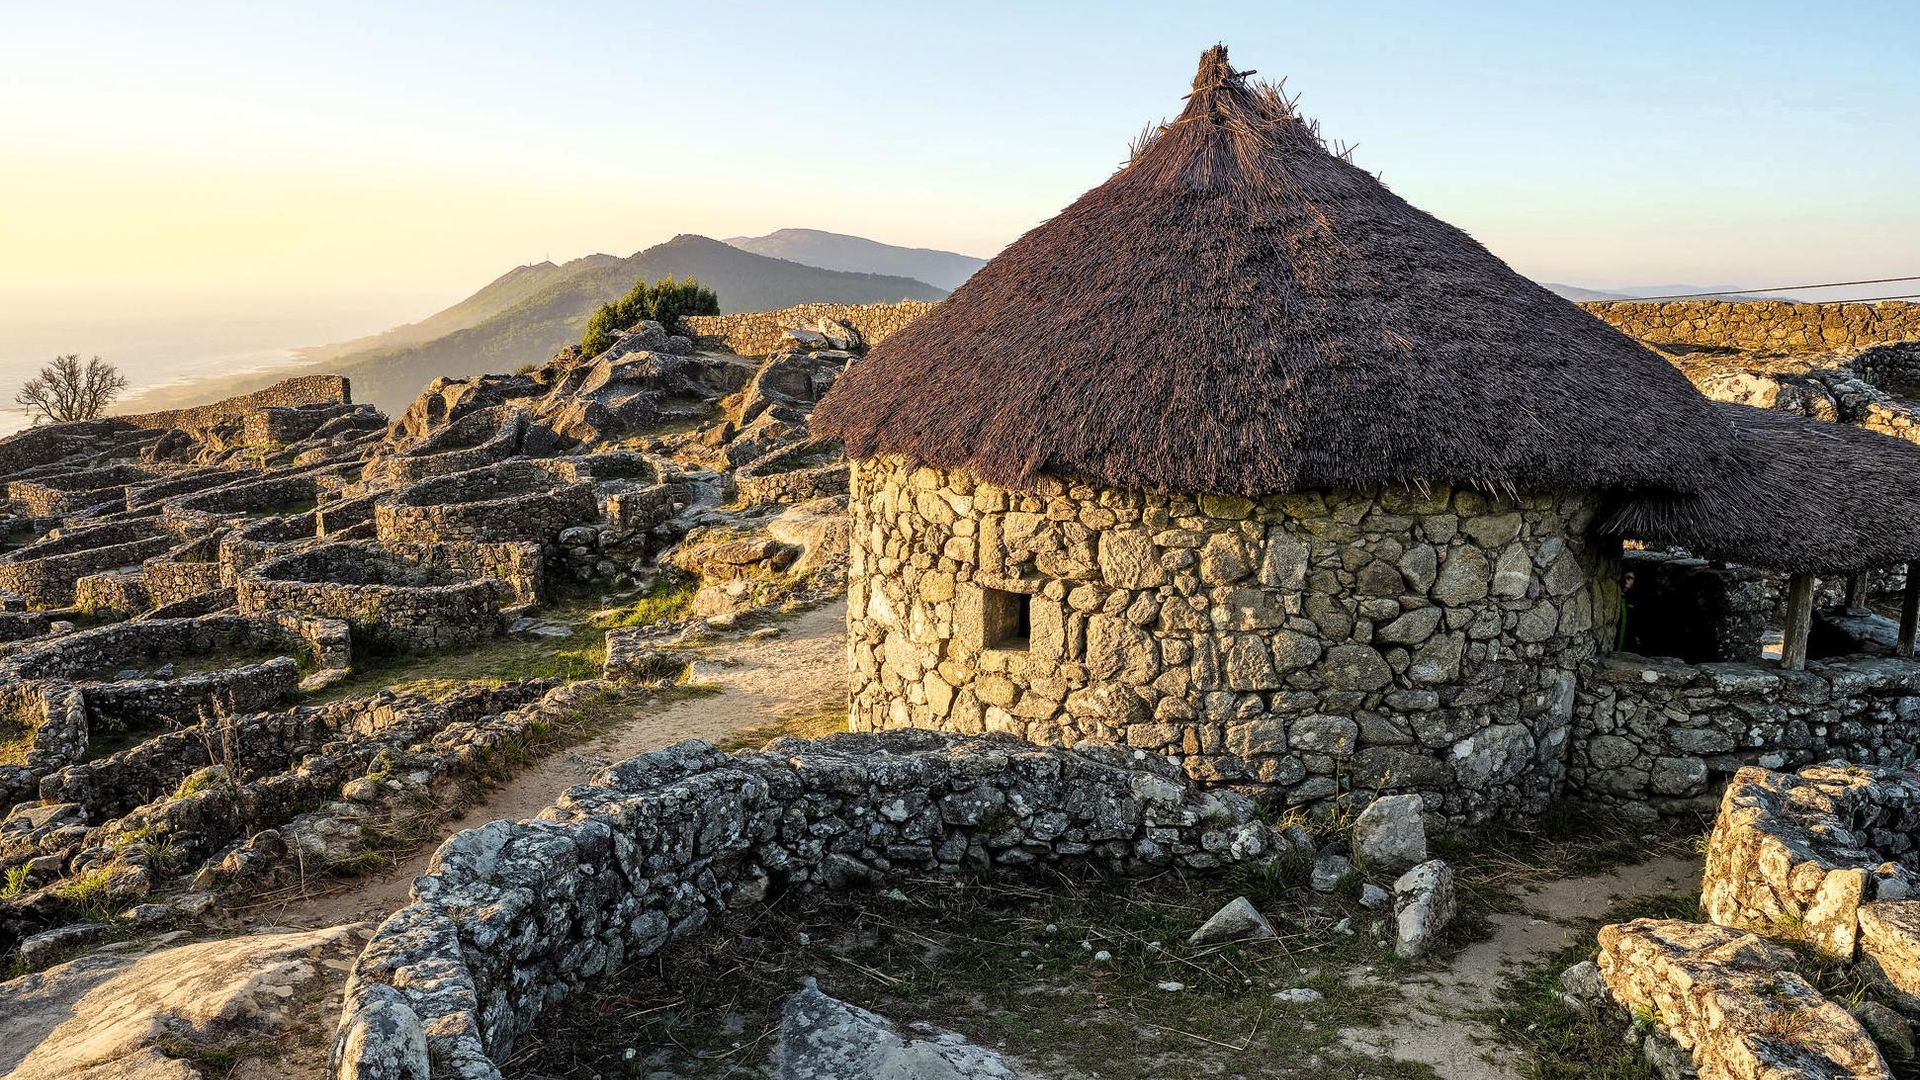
(823,1038)
(1423,905)
(1239,920)
(1390,835)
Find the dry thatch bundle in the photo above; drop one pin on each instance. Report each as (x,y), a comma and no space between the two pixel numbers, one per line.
(1237,310)
(1813,496)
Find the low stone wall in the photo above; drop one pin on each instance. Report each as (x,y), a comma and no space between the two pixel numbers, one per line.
(783,477)
(515,500)
(512,917)
(386,601)
(116,594)
(1763,325)
(476,440)
(519,565)
(66,493)
(186,571)
(159,491)
(45,572)
(1658,736)
(288,393)
(48,443)
(758,333)
(231,504)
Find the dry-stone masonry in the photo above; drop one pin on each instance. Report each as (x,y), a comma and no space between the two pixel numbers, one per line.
(1307,643)
(1658,736)
(512,917)
(384,599)
(1764,325)
(289,393)
(515,500)
(1807,856)
(761,332)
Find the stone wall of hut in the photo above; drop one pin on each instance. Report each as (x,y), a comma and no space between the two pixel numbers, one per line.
(1309,645)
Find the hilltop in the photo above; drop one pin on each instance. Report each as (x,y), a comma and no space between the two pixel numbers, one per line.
(838,251)
(525,315)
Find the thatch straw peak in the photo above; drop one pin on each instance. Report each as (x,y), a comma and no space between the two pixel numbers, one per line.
(1237,310)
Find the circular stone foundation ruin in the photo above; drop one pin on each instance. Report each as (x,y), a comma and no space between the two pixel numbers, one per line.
(513,917)
(386,601)
(514,500)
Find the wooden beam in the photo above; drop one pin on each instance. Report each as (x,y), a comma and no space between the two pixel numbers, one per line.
(1793,643)
(1857,591)
(1909,610)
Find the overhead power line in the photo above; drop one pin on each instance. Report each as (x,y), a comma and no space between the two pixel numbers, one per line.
(1781,288)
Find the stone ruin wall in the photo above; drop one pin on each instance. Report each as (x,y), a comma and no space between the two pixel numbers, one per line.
(513,917)
(286,394)
(1758,326)
(1310,644)
(1762,325)
(1658,736)
(758,333)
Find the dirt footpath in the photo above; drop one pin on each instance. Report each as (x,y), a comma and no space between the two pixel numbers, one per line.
(1433,1025)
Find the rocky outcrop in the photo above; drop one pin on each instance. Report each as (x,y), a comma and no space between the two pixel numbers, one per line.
(157,1013)
(1733,1001)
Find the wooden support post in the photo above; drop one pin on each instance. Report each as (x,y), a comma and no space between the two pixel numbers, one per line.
(1793,644)
(1909,610)
(1857,591)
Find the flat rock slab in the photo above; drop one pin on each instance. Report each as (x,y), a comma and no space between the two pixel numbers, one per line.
(823,1038)
(101,1016)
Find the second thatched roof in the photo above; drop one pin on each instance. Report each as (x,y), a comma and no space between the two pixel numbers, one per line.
(1814,497)
(1238,310)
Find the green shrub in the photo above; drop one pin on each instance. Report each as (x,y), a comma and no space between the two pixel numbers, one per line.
(664,301)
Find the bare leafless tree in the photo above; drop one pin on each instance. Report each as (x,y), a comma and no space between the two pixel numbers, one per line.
(69,390)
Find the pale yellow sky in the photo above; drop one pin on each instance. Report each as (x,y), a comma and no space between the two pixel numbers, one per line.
(224,148)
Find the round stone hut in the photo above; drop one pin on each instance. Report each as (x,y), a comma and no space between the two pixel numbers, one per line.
(1243,460)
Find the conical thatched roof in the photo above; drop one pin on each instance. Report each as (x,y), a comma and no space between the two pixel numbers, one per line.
(1237,310)
(1814,497)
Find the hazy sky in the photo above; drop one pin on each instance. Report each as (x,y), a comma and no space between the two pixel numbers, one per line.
(351,150)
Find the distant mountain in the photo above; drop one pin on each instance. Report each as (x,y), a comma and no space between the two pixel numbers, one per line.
(838,251)
(1581,295)
(498,295)
(529,313)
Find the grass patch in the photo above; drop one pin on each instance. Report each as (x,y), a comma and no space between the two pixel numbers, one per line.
(92,896)
(16,742)
(494,662)
(664,601)
(1008,964)
(1493,863)
(799,726)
